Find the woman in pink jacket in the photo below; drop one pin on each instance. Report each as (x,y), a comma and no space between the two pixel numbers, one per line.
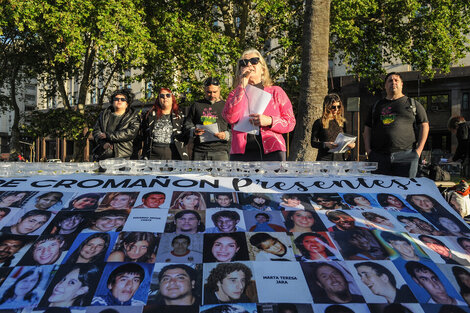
(277,119)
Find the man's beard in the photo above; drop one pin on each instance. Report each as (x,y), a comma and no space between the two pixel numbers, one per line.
(181,296)
(344,295)
(4,257)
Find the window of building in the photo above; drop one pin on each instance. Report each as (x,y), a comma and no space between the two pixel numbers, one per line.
(438,110)
(92,96)
(465,104)
(439,103)
(423,100)
(31,98)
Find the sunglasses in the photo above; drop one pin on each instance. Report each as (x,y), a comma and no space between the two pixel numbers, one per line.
(244,62)
(117,99)
(335,107)
(163,95)
(212,81)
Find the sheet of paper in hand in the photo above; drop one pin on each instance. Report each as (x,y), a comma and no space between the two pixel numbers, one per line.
(343,140)
(257,102)
(209,131)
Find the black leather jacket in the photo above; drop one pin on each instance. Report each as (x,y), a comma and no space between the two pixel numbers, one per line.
(121,138)
(463,142)
(179,138)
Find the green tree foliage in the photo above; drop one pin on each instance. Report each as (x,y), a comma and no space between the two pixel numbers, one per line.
(60,123)
(86,40)
(197,39)
(430,35)
(179,43)
(20,60)
(79,35)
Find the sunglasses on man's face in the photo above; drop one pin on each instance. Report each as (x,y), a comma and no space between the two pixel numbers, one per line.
(244,62)
(163,95)
(117,99)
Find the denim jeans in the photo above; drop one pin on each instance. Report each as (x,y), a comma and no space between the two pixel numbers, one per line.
(401,163)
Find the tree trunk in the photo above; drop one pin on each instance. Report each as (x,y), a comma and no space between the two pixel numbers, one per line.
(106,85)
(85,81)
(61,86)
(80,144)
(244,13)
(314,85)
(226,7)
(15,129)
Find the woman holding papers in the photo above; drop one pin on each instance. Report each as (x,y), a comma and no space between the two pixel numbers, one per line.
(326,129)
(162,129)
(256,102)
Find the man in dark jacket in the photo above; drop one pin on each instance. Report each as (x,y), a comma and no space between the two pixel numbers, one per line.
(116,127)
(202,114)
(461,128)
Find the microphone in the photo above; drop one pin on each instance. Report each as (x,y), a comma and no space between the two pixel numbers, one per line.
(247,73)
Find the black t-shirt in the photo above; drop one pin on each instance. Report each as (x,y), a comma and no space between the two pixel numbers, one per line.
(202,111)
(392,124)
(163,130)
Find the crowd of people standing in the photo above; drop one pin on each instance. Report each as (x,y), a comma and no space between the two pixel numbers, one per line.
(165,131)
(395,131)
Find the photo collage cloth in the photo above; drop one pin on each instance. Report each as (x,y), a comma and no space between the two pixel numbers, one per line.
(141,244)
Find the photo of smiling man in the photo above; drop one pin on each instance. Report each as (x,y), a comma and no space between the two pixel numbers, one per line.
(174,286)
(225,221)
(152,200)
(112,220)
(13,247)
(270,247)
(180,248)
(46,250)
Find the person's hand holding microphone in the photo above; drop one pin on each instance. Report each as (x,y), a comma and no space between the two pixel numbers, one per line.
(245,75)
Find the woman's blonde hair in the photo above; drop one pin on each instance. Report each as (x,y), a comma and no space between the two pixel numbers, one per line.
(265,77)
(327,116)
(177,203)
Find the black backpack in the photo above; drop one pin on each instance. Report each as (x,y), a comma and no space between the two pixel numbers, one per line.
(437,173)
